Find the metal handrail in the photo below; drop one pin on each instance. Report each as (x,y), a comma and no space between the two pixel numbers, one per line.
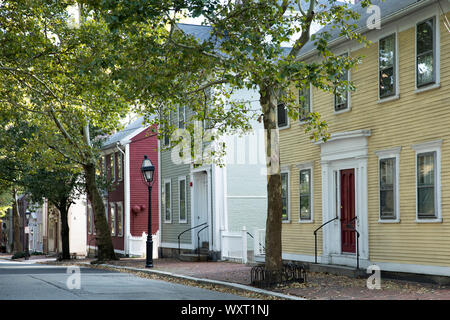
(179,244)
(254,239)
(315,237)
(198,241)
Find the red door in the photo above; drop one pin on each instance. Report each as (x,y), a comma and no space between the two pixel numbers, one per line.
(348,237)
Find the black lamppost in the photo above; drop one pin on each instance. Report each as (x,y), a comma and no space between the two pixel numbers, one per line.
(147,170)
(27,251)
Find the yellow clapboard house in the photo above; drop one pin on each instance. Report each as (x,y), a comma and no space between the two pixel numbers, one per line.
(385,171)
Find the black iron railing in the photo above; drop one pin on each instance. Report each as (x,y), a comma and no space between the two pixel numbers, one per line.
(198,241)
(179,244)
(315,237)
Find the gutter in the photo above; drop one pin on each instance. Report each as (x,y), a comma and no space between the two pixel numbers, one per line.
(394,16)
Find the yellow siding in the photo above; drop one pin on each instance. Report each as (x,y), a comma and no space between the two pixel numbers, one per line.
(414,118)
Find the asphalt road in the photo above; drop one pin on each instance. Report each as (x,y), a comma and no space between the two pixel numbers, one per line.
(29,281)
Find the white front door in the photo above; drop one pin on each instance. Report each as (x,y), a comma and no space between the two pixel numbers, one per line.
(201,206)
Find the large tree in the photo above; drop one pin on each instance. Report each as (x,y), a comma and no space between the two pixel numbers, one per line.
(245,47)
(57,69)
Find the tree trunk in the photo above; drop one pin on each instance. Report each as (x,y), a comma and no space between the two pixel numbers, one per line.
(17,244)
(63,210)
(268,102)
(103,235)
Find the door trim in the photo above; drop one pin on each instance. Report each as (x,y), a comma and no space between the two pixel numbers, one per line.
(347,152)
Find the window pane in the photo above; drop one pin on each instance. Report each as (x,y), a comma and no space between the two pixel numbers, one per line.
(387,52)
(387,203)
(387,82)
(167,201)
(113,219)
(425,69)
(425,184)
(425,35)
(284,195)
(387,185)
(425,197)
(119,219)
(305,194)
(181,117)
(282,115)
(182,199)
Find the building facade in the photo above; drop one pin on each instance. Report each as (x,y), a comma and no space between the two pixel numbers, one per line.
(385,171)
(126,202)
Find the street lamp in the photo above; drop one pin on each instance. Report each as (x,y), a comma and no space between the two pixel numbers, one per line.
(148,169)
(27,252)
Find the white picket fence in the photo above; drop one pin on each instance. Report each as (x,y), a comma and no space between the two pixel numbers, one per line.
(235,246)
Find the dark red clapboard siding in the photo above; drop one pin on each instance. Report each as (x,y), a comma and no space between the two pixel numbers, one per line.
(145,143)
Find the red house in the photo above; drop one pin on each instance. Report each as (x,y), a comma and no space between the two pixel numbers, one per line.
(126,202)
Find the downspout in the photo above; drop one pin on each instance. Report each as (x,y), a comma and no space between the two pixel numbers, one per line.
(160,254)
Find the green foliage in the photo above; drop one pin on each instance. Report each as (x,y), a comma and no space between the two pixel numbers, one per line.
(19,255)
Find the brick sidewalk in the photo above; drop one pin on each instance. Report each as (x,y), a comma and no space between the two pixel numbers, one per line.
(319,285)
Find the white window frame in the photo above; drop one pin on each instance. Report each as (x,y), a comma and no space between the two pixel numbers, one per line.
(285,170)
(437,55)
(119,204)
(431,146)
(310,102)
(167,181)
(396,95)
(111,207)
(349,94)
(300,167)
(182,178)
(389,154)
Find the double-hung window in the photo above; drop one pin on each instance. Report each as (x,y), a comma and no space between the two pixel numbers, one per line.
(182,199)
(341,94)
(387,188)
(305,195)
(426,185)
(181,117)
(387,66)
(304,102)
(167,201)
(113,218)
(120,166)
(119,206)
(426,52)
(285,196)
(428,181)
(112,166)
(388,183)
(90,219)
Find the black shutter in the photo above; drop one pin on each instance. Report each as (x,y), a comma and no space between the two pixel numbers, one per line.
(282,115)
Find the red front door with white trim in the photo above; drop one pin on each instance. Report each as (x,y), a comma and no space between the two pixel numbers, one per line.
(348,237)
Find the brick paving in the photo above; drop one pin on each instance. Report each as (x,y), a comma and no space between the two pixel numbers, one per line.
(319,286)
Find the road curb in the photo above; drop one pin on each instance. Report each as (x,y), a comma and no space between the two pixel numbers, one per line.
(201,280)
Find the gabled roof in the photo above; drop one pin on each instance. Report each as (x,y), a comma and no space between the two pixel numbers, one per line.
(127,133)
(389,9)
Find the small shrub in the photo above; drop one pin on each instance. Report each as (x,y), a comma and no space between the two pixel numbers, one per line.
(18,255)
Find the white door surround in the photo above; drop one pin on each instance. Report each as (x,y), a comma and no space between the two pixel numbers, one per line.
(346,150)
